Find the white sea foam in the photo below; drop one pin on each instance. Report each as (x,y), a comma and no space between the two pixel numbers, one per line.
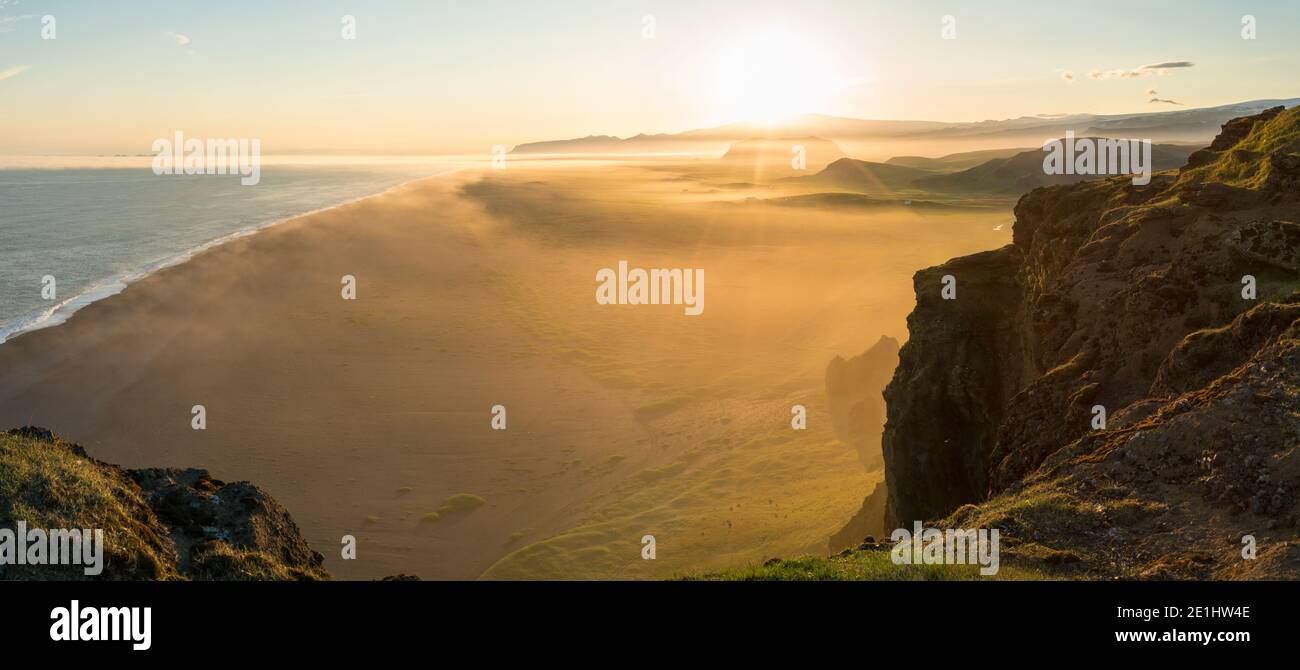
(60,312)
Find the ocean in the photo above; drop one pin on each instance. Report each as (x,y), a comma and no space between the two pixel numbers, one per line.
(97,230)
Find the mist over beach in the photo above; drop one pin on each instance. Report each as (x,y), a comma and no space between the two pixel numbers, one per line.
(576,291)
(98,229)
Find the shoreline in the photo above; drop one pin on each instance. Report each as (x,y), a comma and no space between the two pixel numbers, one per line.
(362,417)
(371,417)
(115,284)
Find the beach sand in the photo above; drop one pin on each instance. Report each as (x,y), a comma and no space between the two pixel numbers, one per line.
(476,289)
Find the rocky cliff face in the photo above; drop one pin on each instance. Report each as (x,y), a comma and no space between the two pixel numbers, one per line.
(219,529)
(853,389)
(158,523)
(1129,299)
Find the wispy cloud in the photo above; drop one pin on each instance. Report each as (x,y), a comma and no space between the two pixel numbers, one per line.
(13,71)
(1066,75)
(1158,100)
(1169,65)
(181,40)
(1144,71)
(7,22)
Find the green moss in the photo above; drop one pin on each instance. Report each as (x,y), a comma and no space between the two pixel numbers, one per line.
(461,503)
(220,561)
(48,485)
(1241,165)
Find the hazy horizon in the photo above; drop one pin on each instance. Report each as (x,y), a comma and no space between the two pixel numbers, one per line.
(450,80)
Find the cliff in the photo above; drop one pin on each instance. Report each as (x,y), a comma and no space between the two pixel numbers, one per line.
(853,389)
(1134,299)
(158,524)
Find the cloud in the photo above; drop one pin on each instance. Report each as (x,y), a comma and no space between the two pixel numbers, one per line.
(1157,100)
(7,22)
(1162,68)
(181,40)
(1169,65)
(1067,75)
(13,71)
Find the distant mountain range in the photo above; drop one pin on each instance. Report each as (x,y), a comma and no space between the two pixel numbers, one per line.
(1012,171)
(1024,171)
(1188,125)
(957,161)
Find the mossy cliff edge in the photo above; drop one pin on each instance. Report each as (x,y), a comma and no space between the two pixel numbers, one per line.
(158,524)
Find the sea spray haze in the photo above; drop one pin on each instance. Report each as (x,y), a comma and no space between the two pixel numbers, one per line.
(95,230)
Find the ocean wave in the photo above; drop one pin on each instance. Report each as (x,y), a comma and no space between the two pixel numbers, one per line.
(62,311)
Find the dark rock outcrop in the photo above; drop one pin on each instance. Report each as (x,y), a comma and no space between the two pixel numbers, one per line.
(1129,298)
(204,513)
(158,524)
(949,391)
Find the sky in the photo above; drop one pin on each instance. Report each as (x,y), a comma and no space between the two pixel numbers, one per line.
(429,77)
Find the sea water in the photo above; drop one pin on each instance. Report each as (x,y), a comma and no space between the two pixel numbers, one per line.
(97,230)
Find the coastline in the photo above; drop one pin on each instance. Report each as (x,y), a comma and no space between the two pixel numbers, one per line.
(371,417)
(115,284)
(362,417)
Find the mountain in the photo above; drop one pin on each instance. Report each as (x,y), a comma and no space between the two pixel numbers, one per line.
(1188,125)
(802,125)
(774,155)
(954,162)
(862,177)
(1017,173)
(1105,390)
(1024,171)
(588,144)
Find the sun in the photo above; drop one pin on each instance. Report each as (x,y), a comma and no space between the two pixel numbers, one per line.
(771,75)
